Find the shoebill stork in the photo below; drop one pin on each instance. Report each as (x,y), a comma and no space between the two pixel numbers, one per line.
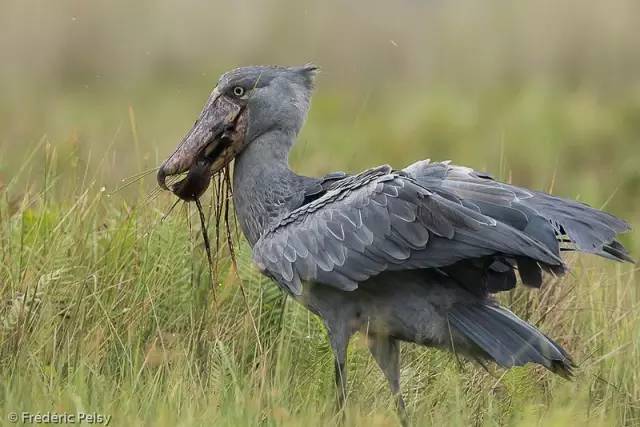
(411,254)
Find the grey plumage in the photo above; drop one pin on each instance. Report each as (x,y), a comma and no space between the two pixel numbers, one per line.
(507,339)
(401,255)
(588,229)
(378,221)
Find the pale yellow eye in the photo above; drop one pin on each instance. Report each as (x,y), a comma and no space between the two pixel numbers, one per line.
(238,91)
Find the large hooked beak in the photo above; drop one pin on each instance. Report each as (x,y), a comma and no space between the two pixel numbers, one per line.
(215,139)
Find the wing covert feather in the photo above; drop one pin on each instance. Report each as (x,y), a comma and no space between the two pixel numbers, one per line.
(382,220)
(546,218)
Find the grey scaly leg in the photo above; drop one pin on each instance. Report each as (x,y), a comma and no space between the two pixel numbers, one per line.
(339,340)
(386,351)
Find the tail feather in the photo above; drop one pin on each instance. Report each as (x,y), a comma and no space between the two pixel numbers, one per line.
(507,339)
(616,252)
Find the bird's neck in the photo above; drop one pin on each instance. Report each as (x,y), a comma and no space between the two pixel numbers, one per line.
(264,188)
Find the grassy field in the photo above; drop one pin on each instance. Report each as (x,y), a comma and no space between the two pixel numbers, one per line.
(107,309)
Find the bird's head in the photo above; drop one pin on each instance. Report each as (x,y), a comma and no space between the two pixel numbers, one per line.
(246,103)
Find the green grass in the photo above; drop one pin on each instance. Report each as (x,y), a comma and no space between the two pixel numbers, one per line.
(105,308)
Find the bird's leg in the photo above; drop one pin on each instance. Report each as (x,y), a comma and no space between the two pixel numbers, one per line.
(341,383)
(386,351)
(339,342)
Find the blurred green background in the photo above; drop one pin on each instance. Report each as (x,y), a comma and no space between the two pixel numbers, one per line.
(528,90)
(106,308)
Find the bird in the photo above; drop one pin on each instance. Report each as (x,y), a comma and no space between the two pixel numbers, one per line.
(401,255)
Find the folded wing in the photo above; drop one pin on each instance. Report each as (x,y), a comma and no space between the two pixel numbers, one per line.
(381,220)
(557,222)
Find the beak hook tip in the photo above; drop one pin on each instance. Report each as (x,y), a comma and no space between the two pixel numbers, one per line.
(161,178)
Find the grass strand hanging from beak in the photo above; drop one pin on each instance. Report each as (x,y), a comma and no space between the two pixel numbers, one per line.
(191,188)
(207,244)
